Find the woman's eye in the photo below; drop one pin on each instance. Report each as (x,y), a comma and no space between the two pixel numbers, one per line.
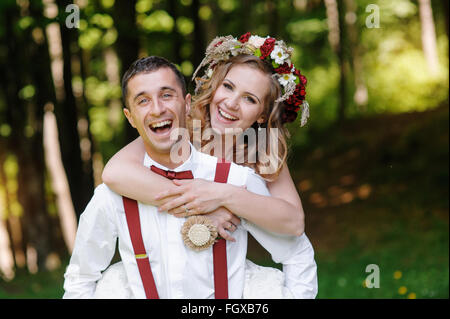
(227,86)
(250,99)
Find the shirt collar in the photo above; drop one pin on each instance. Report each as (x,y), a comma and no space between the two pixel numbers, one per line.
(189,164)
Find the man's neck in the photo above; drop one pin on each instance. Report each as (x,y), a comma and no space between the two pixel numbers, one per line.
(171,160)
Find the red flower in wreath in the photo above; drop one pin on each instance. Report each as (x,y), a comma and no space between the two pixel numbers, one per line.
(284,68)
(303,79)
(296,99)
(267,47)
(289,116)
(244,38)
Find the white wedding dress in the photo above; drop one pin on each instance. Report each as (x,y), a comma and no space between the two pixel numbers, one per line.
(260,283)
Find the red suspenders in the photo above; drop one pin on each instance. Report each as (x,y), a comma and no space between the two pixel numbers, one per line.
(134,228)
(220,247)
(143,263)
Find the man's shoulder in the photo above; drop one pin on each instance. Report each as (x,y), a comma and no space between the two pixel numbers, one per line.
(205,159)
(104,193)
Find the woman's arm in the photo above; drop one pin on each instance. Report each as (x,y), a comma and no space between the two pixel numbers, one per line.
(281,213)
(125,175)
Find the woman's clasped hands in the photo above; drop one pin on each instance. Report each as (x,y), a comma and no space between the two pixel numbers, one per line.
(198,197)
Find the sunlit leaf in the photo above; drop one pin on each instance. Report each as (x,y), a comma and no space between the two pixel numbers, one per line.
(143,6)
(185,25)
(159,20)
(107,3)
(205,12)
(227,5)
(102,20)
(92,36)
(187,68)
(27,92)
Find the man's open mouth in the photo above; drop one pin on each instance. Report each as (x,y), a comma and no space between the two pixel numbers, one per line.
(161,127)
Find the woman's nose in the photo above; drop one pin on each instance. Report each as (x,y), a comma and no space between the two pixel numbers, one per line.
(232,102)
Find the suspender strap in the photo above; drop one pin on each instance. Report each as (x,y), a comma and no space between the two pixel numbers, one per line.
(143,263)
(220,247)
(134,228)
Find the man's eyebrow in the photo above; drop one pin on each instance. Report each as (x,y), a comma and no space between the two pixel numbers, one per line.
(139,94)
(163,88)
(168,88)
(250,93)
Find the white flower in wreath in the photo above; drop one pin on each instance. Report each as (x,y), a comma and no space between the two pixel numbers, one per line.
(256,41)
(284,79)
(209,73)
(235,51)
(279,55)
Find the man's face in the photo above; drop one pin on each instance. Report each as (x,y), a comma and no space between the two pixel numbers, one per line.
(156,108)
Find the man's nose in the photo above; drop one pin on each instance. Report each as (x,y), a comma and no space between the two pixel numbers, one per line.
(157,108)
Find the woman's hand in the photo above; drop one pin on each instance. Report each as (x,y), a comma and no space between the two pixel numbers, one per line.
(192,197)
(225,222)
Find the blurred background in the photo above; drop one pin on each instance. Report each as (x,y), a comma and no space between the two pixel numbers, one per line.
(371,165)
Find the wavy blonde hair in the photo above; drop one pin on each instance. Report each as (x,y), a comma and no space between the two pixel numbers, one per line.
(271,113)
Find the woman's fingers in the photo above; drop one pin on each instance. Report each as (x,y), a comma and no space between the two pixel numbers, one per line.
(170,192)
(235,220)
(172,204)
(225,235)
(183,211)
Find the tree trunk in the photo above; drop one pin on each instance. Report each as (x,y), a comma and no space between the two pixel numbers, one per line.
(335,19)
(199,41)
(360,96)
(272,17)
(428,36)
(30,183)
(127,45)
(176,36)
(67,116)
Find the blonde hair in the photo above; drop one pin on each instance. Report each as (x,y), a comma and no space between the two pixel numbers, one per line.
(271,113)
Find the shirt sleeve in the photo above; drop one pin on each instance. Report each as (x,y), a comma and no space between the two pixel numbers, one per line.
(94,247)
(294,252)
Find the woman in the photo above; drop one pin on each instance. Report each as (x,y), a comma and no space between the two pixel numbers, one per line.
(250,83)
(227,98)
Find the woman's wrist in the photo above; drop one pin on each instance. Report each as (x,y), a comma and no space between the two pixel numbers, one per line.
(230,196)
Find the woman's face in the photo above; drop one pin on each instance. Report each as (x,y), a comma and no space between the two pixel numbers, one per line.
(239,100)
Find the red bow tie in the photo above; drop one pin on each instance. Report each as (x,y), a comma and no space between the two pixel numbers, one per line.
(172,174)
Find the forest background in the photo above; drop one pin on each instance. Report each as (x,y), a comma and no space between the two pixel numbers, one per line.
(371,165)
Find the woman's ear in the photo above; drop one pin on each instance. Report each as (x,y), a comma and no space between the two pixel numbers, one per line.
(261,119)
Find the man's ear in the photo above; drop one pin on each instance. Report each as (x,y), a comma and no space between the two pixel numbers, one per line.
(187,100)
(127,113)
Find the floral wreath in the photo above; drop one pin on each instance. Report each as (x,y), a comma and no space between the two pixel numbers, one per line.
(274,52)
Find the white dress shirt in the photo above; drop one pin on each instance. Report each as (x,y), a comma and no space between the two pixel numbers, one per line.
(179,272)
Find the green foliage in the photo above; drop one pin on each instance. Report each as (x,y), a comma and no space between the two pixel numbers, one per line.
(398,81)
(157,21)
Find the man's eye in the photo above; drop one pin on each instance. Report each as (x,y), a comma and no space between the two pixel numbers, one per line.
(167,95)
(142,101)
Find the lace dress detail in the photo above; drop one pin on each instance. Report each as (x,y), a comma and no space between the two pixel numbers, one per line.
(260,283)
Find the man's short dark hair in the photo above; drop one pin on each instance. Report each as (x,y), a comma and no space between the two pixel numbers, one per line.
(147,65)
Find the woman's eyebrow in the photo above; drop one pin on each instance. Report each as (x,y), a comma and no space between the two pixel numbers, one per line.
(250,93)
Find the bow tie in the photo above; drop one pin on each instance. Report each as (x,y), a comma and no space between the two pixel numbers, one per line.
(172,174)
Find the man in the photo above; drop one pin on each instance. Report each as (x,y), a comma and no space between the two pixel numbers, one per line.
(157,103)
